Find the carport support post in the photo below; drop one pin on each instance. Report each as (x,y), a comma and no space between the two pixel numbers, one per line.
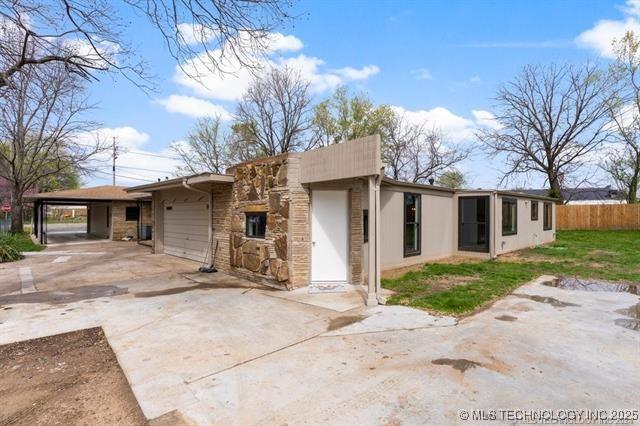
(373,275)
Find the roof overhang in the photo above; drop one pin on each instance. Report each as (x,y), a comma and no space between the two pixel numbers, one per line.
(200,179)
(392,182)
(515,194)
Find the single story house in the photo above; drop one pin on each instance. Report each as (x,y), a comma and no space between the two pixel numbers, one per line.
(112,212)
(328,217)
(582,196)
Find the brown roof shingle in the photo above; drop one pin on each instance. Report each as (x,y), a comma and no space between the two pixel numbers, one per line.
(104,192)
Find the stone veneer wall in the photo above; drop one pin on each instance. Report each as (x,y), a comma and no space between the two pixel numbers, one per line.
(299,226)
(221,221)
(261,186)
(357,237)
(122,228)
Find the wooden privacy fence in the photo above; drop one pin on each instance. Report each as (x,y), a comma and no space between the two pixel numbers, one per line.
(598,216)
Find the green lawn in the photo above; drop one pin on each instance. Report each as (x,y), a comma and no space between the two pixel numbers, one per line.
(457,288)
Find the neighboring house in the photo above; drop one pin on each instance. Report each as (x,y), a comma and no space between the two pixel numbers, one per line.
(328,217)
(112,212)
(577,196)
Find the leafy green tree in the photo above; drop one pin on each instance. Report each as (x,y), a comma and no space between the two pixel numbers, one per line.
(344,117)
(453,179)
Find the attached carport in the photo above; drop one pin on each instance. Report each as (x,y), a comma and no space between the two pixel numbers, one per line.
(112,213)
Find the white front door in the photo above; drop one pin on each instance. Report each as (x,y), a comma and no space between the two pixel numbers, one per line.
(329,236)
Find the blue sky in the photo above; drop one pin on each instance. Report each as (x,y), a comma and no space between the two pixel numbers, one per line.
(438,60)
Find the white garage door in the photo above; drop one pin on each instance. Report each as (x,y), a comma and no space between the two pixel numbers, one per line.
(186,230)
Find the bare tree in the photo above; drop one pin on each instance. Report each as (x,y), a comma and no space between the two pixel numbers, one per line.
(205,149)
(40,119)
(274,113)
(415,153)
(88,36)
(623,163)
(551,118)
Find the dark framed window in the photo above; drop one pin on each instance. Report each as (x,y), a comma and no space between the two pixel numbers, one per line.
(256,224)
(131,214)
(412,212)
(108,216)
(547,216)
(365,225)
(509,216)
(534,210)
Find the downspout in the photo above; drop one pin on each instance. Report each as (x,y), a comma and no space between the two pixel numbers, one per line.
(210,232)
(493,208)
(378,260)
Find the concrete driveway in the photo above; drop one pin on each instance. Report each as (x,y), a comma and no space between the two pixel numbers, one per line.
(212,349)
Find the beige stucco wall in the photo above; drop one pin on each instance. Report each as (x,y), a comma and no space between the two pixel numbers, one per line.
(530,233)
(99,223)
(437,226)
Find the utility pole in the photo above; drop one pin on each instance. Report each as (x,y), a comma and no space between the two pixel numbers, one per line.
(115,155)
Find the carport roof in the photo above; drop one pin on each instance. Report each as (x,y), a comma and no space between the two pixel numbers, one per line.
(96,193)
(202,178)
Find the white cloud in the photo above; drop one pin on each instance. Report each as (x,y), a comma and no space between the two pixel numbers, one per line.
(194,107)
(422,74)
(475,79)
(196,33)
(455,128)
(363,73)
(485,119)
(232,83)
(285,43)
(600,37)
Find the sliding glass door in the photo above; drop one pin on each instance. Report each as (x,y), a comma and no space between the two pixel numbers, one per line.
(473,224)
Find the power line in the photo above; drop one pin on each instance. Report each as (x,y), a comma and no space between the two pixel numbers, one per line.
(150,154)
(139,168)
(126,177)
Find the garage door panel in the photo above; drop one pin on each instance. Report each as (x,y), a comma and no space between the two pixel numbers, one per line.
(175,238)
(186,230)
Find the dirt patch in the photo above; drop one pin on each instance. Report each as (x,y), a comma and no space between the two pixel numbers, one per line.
(506,318)
(172,418)
(344,321)
(543,299)
(70,378)
(461,364)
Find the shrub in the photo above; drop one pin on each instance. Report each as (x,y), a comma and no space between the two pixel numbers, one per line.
(12,244)
(8,253)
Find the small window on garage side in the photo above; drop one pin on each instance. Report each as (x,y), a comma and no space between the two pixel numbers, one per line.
(534,210)
(365,225)
(548,216)
(108,216)
(256,224)
(509,216)
(131,214)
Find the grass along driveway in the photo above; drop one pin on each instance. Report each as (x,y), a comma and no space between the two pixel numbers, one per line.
(458,288)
